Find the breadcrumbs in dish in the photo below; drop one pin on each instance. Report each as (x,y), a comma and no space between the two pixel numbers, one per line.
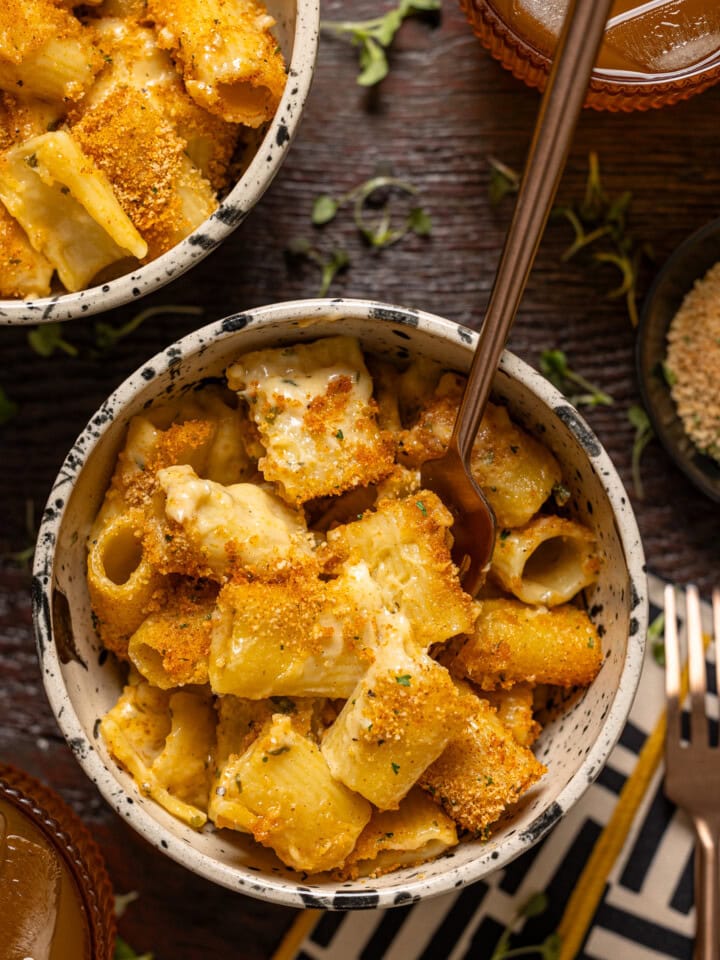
(693,363)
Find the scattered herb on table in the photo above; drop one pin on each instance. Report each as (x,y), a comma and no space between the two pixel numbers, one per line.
(554,366)
(549,949)
(503,180)
(330,265)
(376,227)
(23,557)
(8,407)
(656,636)
(374,36)
(107,336)
(48,338)
(643,435)
(123,951)
(600,225)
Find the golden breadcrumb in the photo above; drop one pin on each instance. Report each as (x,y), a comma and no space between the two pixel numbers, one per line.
(142,155)
(171,646)
(481,771)
(24,272)
(26,27)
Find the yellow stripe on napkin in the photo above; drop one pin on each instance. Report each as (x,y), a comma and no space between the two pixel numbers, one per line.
(302,926)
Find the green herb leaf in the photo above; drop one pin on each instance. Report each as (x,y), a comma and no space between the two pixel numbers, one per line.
(404,680)
(284,704)
(420,222)
(374,36)
(554,365)
(395,768)
(656,636)
(373,61)
(123,951)
(107,336)
(504,181)
(643,435)
(123,901)
(549,949)
(324,209)
(8,407)
(48,338)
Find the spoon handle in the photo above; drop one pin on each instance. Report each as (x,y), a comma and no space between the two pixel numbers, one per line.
(561,105)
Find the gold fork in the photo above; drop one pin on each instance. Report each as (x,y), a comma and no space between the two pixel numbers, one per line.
(692,770)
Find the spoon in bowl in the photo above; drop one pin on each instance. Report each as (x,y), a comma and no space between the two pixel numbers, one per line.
(450,475)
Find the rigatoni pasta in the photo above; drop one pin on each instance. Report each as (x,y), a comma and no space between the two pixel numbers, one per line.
(115,138)
(270,566)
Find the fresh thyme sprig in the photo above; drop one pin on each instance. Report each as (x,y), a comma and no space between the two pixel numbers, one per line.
(23,558)
(644,433)
(8,407)
(123,951)
(599,225)
(374,36)
(656,636)
(378,230)
(48,338)
(503,180)
(330,265)
(107,336)
(549,949)
(554,365)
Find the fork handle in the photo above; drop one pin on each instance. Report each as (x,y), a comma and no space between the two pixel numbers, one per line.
(707,889)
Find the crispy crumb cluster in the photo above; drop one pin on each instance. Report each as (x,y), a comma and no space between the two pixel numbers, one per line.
(284,592)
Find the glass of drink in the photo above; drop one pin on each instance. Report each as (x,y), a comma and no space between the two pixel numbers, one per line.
(56,900)
(655,52)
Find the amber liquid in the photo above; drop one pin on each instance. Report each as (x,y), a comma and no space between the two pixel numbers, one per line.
(644,41)
(42,916)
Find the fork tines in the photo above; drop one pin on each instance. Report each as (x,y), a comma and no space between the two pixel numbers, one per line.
(696,664)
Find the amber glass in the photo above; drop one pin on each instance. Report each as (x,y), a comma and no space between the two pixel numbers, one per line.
(606,92)
(36,814)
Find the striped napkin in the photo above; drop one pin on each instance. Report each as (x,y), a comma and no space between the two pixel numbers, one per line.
(616,872)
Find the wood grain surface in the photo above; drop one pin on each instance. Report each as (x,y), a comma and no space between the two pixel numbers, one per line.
(444,109)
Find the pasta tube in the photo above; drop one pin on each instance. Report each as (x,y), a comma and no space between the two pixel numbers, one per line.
(122,584)
(513,642)
(231,63)
(26,273)
(312,404)
(516,472)
(417,831)
(45,51)
(396,723)
(481,771)
(294,804)
(66,207)
(406,545)
(548,561)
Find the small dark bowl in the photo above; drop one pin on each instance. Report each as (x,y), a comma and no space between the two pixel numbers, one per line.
(690,261)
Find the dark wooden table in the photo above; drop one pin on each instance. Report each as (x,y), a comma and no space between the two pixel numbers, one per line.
(443,110)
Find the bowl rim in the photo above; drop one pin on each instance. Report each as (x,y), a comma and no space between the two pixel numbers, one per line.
(696,466)
(231,212)
(268,887)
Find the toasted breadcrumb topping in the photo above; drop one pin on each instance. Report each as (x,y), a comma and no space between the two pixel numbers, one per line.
(693,361)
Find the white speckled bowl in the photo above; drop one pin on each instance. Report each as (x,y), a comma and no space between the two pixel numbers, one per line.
(297,28)
(82,684)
